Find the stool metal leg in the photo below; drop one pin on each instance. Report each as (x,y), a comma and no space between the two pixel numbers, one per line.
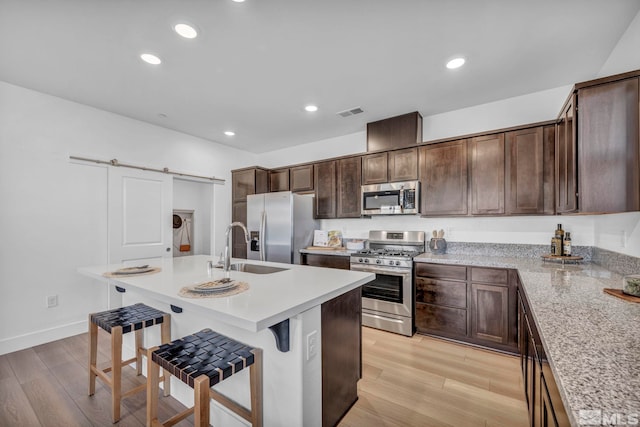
(116,371)
(93,355)
(202,402)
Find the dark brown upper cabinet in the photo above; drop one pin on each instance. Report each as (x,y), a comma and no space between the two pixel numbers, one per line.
(395,132)
(325,190)
(349,199)
(301,178)
(487,174)
(403,165)
(524,170)
(608,148)
(443,174)
(279,180)
(248,181)
(390,166)
(566,159)
(549,169)
(375,168)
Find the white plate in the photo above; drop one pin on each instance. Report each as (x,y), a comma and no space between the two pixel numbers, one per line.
(209,288)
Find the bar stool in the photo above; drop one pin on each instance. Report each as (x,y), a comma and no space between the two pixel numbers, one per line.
(118,322)
(202,360)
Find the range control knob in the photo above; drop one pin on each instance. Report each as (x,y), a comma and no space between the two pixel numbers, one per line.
(391,262)
(366,260)
(378,261)
(359,259)
(397,262)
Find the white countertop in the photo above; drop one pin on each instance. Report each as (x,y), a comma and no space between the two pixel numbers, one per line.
(271,298)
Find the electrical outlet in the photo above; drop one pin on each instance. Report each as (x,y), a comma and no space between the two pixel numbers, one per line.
(312,345)
(52,301)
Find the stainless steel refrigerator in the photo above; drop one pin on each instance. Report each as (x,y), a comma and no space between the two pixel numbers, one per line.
(279,224)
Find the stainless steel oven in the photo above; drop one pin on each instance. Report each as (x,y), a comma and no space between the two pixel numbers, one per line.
(387,301)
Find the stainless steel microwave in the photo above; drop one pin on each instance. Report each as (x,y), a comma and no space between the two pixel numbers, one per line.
(394,198)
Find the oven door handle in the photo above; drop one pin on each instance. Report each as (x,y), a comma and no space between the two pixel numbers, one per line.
(381,270)
(387,319)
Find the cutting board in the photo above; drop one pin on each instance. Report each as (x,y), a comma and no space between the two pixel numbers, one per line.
(618,293)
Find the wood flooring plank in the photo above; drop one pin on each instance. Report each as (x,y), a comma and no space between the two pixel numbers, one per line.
(52,405)
(5,368)
(97,408)
(26,365)
(15,408)
(54,354)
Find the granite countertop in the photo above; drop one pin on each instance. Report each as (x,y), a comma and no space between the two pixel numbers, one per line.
(591,339)
(270,299)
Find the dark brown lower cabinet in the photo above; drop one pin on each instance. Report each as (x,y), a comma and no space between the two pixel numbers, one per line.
(541,392)
(329,261)
(469,304)
(341,355)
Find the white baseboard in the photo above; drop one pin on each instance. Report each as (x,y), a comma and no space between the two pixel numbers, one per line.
(20,342)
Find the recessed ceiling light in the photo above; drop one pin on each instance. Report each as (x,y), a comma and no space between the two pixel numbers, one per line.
(186,31)
(150,59)
(311,108)
(238,1)
(455,63)
(229,133)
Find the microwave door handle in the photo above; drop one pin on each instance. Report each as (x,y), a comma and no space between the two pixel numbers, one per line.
(401,199)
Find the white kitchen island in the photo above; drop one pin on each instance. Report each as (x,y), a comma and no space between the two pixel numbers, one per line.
(292,379)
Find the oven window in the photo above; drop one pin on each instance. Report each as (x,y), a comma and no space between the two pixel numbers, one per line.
(384,287)
(382,198)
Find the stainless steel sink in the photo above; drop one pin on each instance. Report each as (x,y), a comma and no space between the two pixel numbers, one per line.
(255,268)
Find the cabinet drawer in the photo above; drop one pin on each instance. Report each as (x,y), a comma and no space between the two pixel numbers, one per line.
(329,261)
(437,271)
(441,292)
(490,275)
(437,319)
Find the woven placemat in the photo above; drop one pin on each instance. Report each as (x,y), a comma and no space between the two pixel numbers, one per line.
(186,291)
(116,275)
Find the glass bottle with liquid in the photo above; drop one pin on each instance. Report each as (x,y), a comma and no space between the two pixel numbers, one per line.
(566,246)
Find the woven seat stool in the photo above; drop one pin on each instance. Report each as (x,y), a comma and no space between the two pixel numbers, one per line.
(201,361)
(117,322)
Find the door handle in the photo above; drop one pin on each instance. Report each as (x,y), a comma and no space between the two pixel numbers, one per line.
(263,236)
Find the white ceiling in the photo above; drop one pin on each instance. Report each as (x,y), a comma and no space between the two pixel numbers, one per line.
(256,64)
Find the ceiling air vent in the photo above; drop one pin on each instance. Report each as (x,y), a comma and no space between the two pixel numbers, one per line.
(350,112)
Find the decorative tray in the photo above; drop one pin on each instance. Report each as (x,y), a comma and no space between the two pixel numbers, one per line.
(571,259)
(618,293)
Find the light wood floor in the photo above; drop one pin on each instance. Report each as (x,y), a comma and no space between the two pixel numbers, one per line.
(416,381)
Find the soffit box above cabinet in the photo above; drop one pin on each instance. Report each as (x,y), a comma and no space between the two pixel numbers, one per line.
(395,132)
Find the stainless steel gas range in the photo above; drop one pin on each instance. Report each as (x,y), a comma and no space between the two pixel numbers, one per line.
(387,301)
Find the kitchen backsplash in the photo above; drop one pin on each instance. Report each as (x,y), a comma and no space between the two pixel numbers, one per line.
(511,249)
(614,261)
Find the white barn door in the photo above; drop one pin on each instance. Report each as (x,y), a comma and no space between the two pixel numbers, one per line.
(140,212)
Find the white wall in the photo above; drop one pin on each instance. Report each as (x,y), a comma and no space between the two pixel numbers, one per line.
(626,55)
(53,214)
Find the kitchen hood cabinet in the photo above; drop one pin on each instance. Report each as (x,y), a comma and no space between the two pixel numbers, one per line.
(395,132)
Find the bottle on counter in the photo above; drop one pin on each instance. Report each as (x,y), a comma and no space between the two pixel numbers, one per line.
(566,247)
(559,236)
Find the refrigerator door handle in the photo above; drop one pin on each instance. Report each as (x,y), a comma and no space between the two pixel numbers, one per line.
(263,237)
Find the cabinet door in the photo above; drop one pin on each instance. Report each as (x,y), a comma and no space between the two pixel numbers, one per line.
(243,183)
(301,178)
(374,168)
(487,174)
(566,160)
(325,190)
(395,132)
(443,174)
(441,320)
(608,163)
(490,313)
(341,349)
(403,165)
(549,169)
(349,199)
(524,169)
(279,180)
(239,213)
